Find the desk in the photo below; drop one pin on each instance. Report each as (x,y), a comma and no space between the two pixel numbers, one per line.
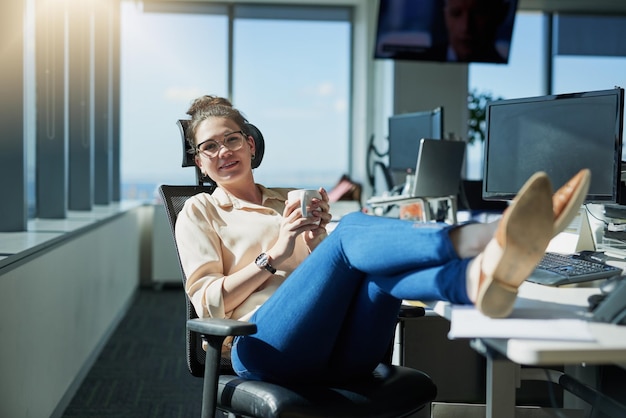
(505,355)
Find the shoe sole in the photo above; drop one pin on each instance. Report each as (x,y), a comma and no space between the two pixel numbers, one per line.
(570,210)
(528,226)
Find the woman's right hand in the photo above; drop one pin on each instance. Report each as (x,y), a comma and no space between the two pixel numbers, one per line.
(292,225)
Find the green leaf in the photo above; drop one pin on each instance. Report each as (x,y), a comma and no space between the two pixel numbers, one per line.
(477,118)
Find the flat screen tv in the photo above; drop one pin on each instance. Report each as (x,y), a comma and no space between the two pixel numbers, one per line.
(405,132)
(445,30)
(558,134)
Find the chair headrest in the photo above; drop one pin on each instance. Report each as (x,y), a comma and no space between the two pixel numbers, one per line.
(188,152)
(188,156)
(259,142)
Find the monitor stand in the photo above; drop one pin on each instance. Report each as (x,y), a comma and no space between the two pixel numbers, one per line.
(576,237)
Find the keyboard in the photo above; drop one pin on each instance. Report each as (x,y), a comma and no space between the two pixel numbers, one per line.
(560,269)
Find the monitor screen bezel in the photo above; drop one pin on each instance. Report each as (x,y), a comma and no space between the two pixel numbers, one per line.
(616,194)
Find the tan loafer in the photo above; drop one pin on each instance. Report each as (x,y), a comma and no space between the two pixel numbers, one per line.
(518,245)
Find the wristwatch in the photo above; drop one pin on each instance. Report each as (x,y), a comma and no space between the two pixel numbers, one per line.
(263,262)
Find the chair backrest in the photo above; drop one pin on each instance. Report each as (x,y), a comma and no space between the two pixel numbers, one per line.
(188,152)
(174,197)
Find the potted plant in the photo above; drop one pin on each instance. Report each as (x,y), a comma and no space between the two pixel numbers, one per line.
(477,119)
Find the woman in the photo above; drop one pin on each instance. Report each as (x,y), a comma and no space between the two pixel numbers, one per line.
(327,305)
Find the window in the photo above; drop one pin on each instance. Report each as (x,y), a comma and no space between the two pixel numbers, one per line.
(162,72)
(598,63)
(600,73)
(290,76)
(291,79)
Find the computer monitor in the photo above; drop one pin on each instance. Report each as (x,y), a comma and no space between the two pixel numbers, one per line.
(405,132)
(558,134)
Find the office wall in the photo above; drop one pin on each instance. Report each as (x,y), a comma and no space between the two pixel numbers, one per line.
(59,306)
(164,262)
(422,86)
(419,86)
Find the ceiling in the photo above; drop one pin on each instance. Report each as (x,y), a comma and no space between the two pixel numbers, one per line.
(575,6)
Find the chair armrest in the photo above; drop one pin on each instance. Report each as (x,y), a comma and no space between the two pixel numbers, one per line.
(220,327)
(214,331)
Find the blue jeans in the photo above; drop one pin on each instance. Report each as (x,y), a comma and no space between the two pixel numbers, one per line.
(335,315)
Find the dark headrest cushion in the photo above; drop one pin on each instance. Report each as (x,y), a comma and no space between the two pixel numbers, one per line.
(260,144)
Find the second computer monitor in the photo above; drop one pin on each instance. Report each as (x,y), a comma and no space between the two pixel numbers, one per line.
(405,132)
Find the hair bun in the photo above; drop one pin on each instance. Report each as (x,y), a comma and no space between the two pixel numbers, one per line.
(207,101)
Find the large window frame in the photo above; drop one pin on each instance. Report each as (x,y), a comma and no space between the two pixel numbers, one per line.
(278,137)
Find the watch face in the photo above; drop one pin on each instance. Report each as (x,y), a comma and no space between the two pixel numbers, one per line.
(262,260)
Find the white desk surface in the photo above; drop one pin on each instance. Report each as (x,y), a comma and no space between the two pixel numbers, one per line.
(610,340)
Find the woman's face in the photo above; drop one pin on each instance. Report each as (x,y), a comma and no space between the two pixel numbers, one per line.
(222,164)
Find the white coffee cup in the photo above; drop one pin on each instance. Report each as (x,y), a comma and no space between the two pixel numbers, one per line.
(305,196)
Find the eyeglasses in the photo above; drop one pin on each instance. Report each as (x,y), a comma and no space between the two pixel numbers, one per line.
(232,141)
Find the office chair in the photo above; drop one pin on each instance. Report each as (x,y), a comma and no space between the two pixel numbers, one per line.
(391,391)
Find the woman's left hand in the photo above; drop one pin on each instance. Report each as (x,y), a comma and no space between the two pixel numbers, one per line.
(320,208)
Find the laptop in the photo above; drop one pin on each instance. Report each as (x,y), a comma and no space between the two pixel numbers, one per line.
(437,171)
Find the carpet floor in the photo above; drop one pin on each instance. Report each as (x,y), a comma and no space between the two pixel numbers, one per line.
(142,372)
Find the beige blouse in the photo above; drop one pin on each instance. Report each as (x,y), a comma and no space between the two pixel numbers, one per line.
(217,235)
